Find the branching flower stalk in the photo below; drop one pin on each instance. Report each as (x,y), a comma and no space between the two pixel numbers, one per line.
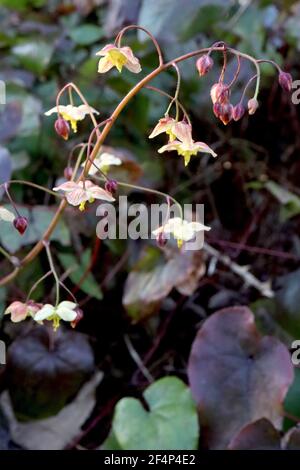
(180,139)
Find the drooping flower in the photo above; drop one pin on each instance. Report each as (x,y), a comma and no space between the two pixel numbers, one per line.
(204,64)
(219,93)
(252,105)
(118,57)
(64,311)
(111,186)
(186,146)
(181,229)
(77,194)
(169,126)
(6,215)
(104,161)
(225,112)
(19,310)
(62,128)
(20,224)
(71,113)
(238,112)
(285,81)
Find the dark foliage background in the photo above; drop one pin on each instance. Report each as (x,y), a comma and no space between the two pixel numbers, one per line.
(251,196)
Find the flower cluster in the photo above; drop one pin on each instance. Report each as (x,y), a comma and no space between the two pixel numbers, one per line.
(180,139)
(181,229)
(66,311)
(78,194)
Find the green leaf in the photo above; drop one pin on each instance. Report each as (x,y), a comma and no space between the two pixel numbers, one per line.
(39,218)
(289,201)
(171,422)
(86,34)
(90,286)
(34,55)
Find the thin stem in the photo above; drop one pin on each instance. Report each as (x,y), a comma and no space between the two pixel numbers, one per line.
(175,99)
(69,292)
(164,93)
(152,191)
(162,67)
(36,284)
(236,73)
(7,255)
(266,61)
(72,85)
(11,200)
(133,26)
(247,86)
(221,79)
(85,171)
(53,270)
(34,185)
(78,161)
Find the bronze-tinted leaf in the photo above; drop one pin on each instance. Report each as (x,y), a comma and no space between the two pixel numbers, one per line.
(146,288)
(260,435)
(236,375)
(46,370)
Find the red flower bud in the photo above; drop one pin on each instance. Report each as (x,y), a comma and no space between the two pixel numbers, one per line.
(79,316)
(285,81)
(225,113)
(161,240)
(217,109)
(62,128)
(204,64)
(68,172)
(111,186)
(219,92)
(252,105)
(20,223)
(238,112)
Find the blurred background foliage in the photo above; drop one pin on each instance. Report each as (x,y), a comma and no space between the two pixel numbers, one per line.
(251,192)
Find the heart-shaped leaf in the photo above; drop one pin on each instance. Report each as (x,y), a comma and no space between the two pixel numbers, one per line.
(260,435)
(44,372)
(236,375)
(39,218)
(149,283)
(170,423)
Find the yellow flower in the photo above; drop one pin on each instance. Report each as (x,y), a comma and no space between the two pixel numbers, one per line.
(103,162)
(170,126)
(71,113)
(185,145)
(181,229)
(118,57)
(64,311)
(78,194)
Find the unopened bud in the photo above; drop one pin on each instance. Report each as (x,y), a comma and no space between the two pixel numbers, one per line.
(111,186)
(161,240)
(219,92)
(62,128)
(238,112)
(252,105)
(20,223)
(285,81)
(225,114)
(79,317)
(204,64)
(68,172)
(217,107)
